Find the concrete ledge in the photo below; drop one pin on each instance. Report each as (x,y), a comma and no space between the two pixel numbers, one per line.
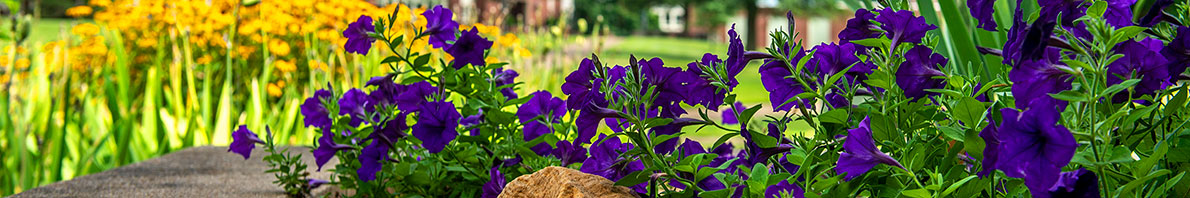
(207,171)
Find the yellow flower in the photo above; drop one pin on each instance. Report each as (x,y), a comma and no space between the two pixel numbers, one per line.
(22,63)
(284,66)
(146,42)
(274,90)
(100,3)
(491,59)
(508,39)
(79,11)
(278,47)
(524,52)
(317,65)
(205,59)
(85,29)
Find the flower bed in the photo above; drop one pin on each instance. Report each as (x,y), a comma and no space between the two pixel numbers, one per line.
(1092,106)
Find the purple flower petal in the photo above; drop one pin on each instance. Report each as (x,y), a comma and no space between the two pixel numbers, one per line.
(784,187)
(1078,183)
(243,141)
(314,114)
(469,49)
(358,40)
(902,26)
(495,184)
(1178,53)
(729,115)
(1033,146)
(371,160)
(917,73)
(1142,60)
(982,11)
(860,153)
(859,27)
(441,26)
(569,153)
(355,103)
(437,125)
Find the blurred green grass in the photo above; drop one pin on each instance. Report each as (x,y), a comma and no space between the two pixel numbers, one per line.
(49,29)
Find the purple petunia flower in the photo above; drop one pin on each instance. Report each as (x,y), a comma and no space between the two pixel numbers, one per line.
(411,99)
(437,125)
(327,148)
(1033,145)
(991,150)
(982,11)
(355,103)
(469,49)
(1142,60)
(315,183)
(918,72)
(729,115)
(701,91)
(1027,42)
(1077,183)
(784,187)
(669,83)
(542,105)
(472,120)
(386,91)
(495,184)
(569,153)
(831,59)
(902,26)
(243,141)
(860,27)
(773,75)
(668,146)
(1118,13)
(860,153)
(314,114)
(358,40)
(606,162)
(440,25)
(1156,13)
(1034,80)
(371,160)
(505,77)
(1178,53)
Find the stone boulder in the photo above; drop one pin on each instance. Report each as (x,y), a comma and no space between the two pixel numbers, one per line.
(562,182)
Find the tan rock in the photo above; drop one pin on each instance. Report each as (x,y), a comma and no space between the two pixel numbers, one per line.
(562,182)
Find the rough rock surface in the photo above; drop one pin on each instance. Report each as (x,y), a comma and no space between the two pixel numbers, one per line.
(562,182)
(195,172)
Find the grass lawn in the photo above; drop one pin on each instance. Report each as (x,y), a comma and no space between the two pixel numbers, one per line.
(48,29)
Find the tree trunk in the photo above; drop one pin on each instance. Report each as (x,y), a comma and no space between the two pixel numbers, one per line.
(750,7)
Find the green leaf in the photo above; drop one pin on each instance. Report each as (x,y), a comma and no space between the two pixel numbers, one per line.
(634,178)
(1118,87)
(1096,10)
(878,42)
(918,193)
(421,61)
(952,133)
(837,116)
(956,185)
(1127,188)
(970,111)
(747,114)
(1070,95)
(1125,33)
(390,59)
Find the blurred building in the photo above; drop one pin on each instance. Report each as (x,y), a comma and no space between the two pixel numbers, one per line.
(678,20)
(521,12)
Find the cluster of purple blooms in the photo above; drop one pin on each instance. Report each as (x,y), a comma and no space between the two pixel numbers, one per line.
(1028,142)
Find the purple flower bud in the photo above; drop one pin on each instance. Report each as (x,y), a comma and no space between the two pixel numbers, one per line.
(469,49)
